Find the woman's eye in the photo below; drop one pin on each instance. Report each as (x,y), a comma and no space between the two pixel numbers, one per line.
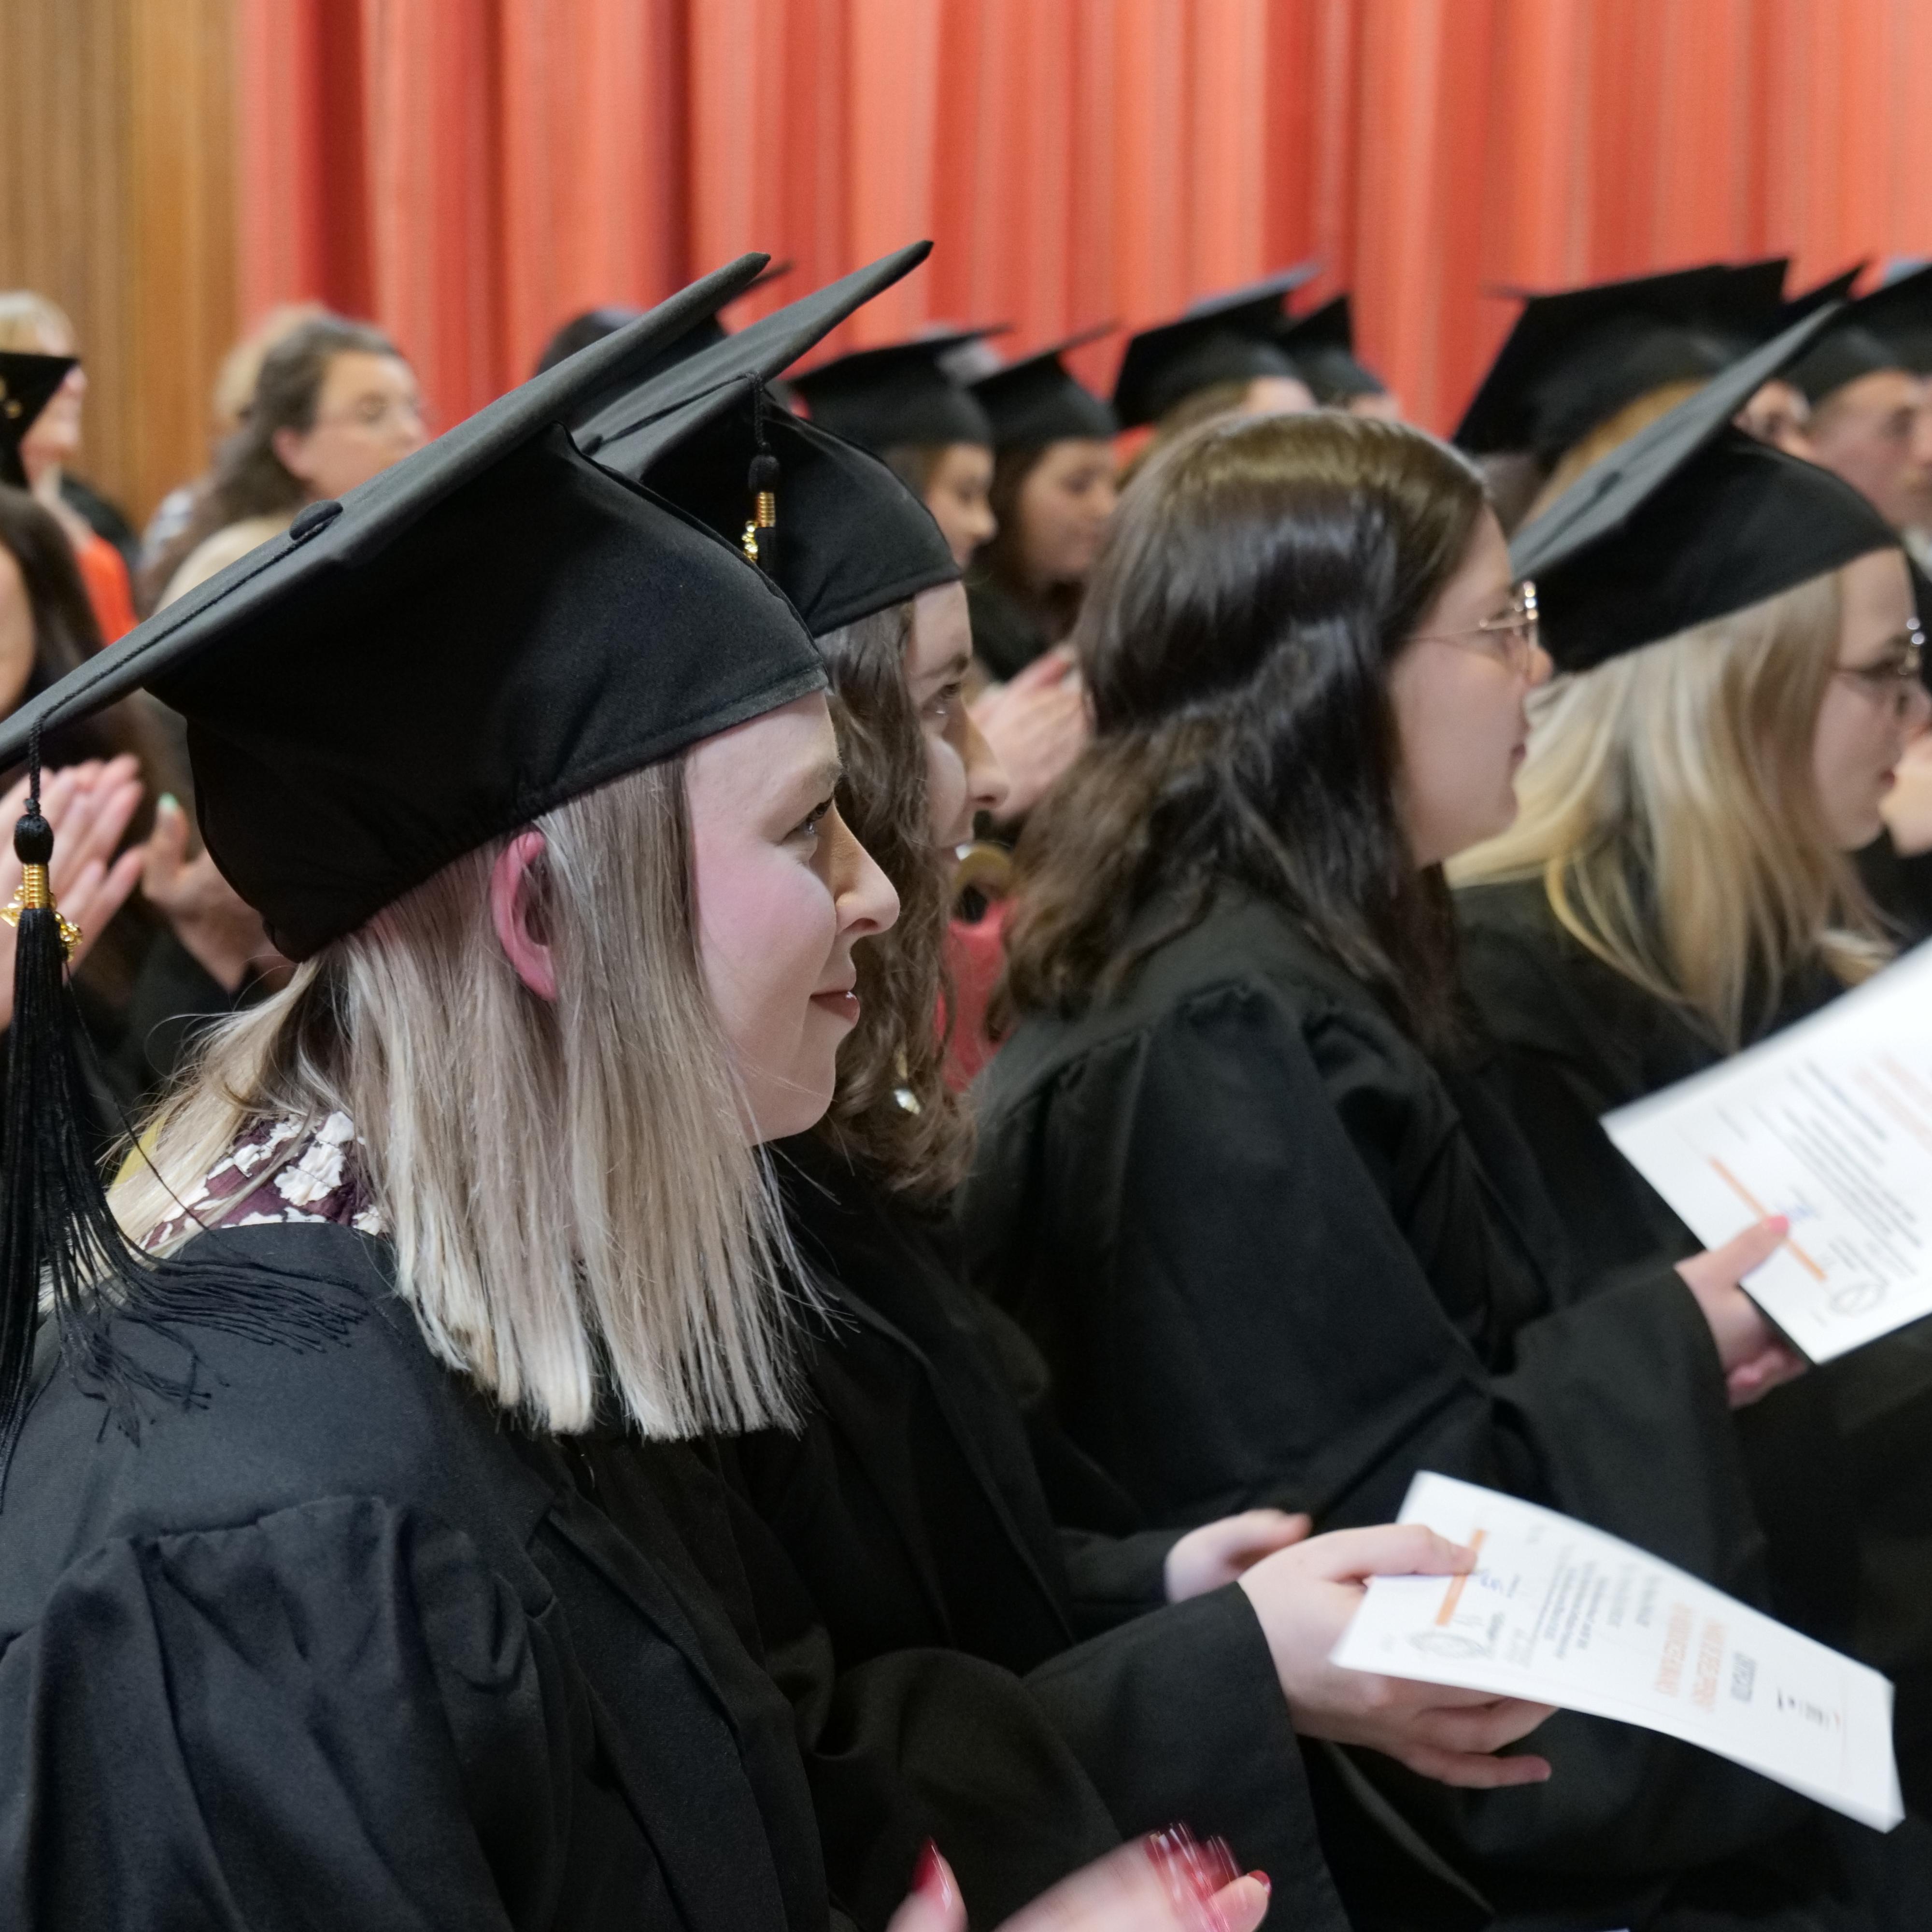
(939,707)
(808,826)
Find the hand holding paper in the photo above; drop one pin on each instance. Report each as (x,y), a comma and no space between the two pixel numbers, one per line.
(1303,1597)
(1829,1124)
(1557,1611)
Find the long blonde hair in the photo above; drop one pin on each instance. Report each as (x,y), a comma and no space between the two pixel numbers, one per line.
(567,1184)
(1669,805)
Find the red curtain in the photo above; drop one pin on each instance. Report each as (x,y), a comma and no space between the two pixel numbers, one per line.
(471,172)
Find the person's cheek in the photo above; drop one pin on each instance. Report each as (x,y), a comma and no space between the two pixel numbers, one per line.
(946,789)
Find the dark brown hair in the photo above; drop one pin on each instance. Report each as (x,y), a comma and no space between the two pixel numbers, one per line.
(892,1108)
(1260,578)
(1054,607)
(249,478)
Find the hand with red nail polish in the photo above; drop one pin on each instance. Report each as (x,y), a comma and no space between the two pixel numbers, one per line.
(1170,1882)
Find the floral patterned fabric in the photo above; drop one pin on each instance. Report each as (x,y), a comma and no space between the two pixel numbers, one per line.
(278,1170)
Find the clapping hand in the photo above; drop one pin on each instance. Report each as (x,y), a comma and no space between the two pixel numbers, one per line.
(89,806)
(223,932)
(1169,1882)
(1036,724)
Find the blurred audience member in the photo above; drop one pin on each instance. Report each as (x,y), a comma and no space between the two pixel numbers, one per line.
(1321,346)
(899,402)
(581,330)
(97,530)
(335,404)
(1222,357)
(1870,422)
(1052,495)
(234,389)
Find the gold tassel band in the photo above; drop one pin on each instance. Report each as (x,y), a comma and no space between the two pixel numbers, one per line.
(36,895)
(766,513)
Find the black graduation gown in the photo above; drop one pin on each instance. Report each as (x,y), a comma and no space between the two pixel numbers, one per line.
(910,1512)
(1248,1225)
(1837,1458)
(340,1647)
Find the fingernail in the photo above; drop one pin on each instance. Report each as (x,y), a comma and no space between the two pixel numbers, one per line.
(1261,1878)
(932,1875)
(1194,1872)
(167,802)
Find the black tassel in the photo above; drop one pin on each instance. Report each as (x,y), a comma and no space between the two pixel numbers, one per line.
(61,1249)
(760,541)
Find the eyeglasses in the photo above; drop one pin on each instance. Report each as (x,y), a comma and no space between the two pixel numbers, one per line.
(1895,679)
(1513,636)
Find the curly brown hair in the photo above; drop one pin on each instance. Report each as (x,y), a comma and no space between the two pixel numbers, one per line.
(892,1110)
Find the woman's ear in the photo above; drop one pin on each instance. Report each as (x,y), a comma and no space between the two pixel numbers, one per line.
(511,912)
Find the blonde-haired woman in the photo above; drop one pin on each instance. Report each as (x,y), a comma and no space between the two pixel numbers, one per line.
(1679,881)
(1742,666)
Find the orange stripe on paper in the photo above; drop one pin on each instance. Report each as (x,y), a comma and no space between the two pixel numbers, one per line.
(1763,1213)
(1455,1591)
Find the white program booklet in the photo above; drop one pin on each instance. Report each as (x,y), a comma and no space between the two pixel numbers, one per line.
(1561,1614)
(1830,1123)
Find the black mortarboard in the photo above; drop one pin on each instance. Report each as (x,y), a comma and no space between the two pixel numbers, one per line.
(1689,521)
(1321,346)
(1224,338)
(1034,400)
(1575,358)
(627,430)
(849,538)
(853,539)
(27,385)
(486,629)
(1890,328)
(896,396)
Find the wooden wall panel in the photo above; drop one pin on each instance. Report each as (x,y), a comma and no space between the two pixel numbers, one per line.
(118,198)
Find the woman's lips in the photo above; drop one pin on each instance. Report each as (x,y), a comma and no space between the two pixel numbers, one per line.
(842,1001)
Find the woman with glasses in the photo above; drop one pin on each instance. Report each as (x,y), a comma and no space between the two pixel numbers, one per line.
(335,404)
(1742,666)
(1234,1173)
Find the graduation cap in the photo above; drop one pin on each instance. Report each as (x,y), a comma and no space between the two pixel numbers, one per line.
(1034,400)
(1575,358)
(594,324)
(492,626)
(846,537)
(1689,521)
(1890,328)
(27,385)
(1226,338)
(1321,346)
(854,539)
(900,394)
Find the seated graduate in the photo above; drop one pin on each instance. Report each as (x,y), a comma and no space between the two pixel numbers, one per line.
(910,1505)
(1742,661)
(1321,346)
(1052,494)
(308,1614)
(898,402)
(1581,370)
(1229,1175)
(1222,357)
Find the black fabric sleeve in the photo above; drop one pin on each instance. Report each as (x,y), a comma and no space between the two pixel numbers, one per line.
(1111,1579)
(1180,1714)
(333,1716)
